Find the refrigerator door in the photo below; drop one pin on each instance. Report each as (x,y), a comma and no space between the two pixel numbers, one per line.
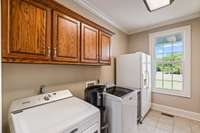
(144,74)
(128,73)
(146,89)
(144,101)
(149,70)
(149,88)
(144,83)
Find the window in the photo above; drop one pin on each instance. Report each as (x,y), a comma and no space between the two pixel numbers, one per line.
(171,52)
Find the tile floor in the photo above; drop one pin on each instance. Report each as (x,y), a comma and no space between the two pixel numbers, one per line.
(155,122)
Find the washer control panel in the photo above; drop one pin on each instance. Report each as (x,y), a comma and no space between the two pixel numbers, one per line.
(39,99)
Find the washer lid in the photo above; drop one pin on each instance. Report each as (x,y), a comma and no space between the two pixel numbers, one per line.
(54,117)
(118,91)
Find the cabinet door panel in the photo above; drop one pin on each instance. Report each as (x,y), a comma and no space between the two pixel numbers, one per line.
(66,38)
(89,45)
(104,48)
(28,30)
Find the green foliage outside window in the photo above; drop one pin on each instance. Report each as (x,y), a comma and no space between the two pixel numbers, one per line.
(169,68)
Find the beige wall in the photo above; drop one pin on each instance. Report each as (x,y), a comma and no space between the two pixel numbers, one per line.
(22,80)
(140,42)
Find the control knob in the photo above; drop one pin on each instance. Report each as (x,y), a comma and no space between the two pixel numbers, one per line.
(46,98)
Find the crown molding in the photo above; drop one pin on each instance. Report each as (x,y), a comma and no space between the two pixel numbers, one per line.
(93,9)
(177,20)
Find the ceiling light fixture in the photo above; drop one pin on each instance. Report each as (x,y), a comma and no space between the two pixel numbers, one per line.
(157,4)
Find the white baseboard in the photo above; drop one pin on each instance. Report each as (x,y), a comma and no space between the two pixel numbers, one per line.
(176,111)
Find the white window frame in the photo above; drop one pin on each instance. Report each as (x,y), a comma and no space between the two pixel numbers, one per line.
(186,31)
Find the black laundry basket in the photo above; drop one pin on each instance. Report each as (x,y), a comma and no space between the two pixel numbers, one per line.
(94,95)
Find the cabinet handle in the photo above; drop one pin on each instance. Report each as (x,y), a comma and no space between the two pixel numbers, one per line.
(10,60)
(55,52)
(49,51)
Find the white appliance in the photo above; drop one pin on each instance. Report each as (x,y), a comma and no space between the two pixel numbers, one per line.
(134,71)
(121,104)
(56,112)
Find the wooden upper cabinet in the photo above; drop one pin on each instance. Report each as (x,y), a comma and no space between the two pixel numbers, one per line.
(104,48)
(89,44)
(44,31)
(66,38)
(26,30)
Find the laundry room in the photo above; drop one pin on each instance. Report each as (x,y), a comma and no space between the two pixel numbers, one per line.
(100,66)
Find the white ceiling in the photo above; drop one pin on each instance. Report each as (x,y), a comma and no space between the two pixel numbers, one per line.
(132,16)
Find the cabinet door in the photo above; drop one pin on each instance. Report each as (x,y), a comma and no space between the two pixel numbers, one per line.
(89,45)
(66,38)
(26,30)
(104,48)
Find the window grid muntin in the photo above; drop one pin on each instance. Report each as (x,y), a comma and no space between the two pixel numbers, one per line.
(157,61)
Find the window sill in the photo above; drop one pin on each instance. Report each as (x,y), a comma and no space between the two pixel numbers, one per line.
(172,92)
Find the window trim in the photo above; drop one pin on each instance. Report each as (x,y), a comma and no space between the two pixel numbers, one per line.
(186,30)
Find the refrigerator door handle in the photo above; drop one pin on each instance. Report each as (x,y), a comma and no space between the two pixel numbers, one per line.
(144,80)
(147,79)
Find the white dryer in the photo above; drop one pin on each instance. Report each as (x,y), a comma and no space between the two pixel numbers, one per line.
(57,112)
(121,104)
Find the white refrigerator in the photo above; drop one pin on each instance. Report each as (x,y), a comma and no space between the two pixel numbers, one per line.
(134,71)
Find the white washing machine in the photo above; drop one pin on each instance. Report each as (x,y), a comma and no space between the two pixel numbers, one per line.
(121,104)
(57,112)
